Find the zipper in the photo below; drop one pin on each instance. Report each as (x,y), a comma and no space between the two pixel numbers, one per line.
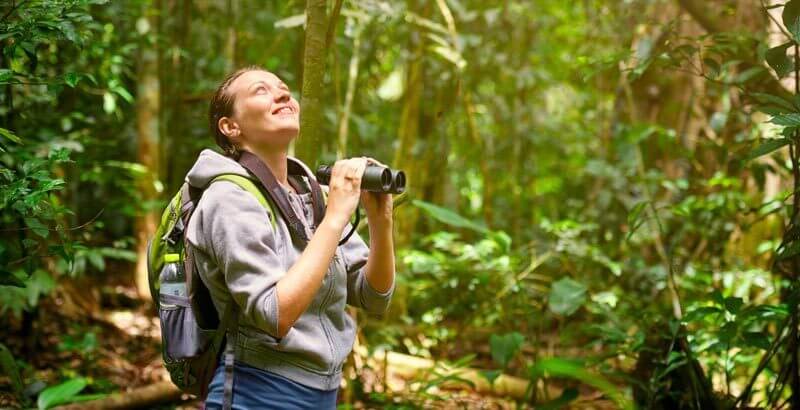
(323,306)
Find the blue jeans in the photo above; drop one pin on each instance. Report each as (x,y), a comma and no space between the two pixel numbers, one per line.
(259,389)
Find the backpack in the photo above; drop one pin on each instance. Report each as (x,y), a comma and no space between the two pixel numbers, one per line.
(192,333)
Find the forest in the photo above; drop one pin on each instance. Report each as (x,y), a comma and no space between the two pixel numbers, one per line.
(601,208)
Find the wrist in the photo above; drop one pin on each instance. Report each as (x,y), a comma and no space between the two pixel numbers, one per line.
(380,222)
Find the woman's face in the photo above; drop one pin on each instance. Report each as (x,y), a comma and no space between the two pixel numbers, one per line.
(264,111)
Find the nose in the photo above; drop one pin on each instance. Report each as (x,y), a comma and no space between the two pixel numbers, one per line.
(282,95)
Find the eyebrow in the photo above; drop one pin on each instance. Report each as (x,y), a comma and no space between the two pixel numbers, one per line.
(280,84)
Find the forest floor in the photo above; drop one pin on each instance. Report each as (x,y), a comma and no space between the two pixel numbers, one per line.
(113,339)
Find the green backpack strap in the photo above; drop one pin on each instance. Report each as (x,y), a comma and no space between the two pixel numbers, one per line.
(248,185)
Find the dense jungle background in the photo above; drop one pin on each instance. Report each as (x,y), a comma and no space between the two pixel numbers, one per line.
(601,208)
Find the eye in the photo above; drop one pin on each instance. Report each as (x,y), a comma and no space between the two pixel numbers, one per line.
(261,88)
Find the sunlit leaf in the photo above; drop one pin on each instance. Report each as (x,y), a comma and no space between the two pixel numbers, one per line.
(701,313)
(291,21)
(10,135)
(559,367)
(61,393)
(391,89)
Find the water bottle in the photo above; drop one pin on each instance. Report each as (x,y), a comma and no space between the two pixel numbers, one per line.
(172,277)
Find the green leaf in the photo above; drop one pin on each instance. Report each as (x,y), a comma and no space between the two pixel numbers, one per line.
(674,361)
(39,283)
(60,394)
(37,227)
(448,217)
(756,339)
(10,135)
(71,79)
(733,304)
(701,313)
(767,147)
(749,74)
(771,109)
(6,75)
(490,375)
(635,219)
(559,367)
(791,18)
(773,99)
(779,61)
(97,260)
(566,296)
(504,347)
(728,332)
(9,367)
(567,396)
(787,251)
(122,92)
(9,279)
(787,120)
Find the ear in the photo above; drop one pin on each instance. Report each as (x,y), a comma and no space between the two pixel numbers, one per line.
(230,128)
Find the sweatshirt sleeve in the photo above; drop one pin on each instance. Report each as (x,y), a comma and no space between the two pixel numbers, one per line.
(235,230)
(359,292)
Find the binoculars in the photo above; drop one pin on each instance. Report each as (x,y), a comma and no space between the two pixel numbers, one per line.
(376,178)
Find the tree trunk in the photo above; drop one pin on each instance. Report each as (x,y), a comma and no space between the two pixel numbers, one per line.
(311,139)
(231,62)
(147,125)
(352,77)
(408,133)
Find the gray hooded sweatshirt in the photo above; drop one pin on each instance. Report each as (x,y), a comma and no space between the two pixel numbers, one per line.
(240,255)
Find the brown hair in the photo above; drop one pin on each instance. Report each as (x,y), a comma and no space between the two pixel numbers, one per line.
(222,106)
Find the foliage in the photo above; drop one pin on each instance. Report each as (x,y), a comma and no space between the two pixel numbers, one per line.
(610,178)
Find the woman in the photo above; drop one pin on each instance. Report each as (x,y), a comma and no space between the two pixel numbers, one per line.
(294,333)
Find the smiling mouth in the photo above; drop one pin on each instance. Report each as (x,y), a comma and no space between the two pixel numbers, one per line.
(285,110)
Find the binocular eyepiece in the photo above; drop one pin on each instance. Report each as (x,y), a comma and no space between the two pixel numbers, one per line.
(376,178)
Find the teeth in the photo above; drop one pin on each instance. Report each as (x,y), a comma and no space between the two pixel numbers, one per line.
(285,110)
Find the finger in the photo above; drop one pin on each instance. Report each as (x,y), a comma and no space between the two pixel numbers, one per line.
(336,170)
(375,161)
(360,166)
(351,173)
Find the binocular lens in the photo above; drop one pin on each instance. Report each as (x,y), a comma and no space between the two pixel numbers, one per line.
(399,182)
(376,178)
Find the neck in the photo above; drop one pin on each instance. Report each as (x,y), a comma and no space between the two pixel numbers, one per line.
(275,160)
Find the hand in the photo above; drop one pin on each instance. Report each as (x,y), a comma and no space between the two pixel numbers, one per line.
(377,205)
(345,189)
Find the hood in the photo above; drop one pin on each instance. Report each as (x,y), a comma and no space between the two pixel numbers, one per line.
(211,164)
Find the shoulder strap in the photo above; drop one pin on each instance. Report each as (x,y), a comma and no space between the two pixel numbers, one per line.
(276,193)
(317,198)
(248,185)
